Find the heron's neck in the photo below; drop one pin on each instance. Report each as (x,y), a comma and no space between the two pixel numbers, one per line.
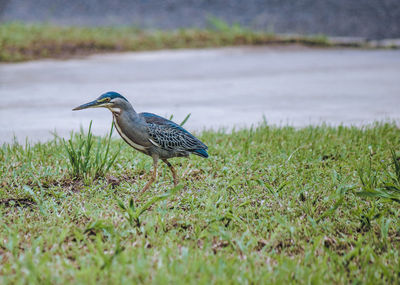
(125,108)
(128,122)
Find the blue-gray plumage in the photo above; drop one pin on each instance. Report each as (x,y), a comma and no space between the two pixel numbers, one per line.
(148,133)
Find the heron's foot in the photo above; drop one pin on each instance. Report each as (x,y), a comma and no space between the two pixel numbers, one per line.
(174,176)
(147,186)
(153,177)
(176,180)
(173,171)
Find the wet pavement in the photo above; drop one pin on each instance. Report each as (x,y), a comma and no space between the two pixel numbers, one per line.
(219,87)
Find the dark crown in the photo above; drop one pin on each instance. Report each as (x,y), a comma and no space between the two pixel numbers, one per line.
(111,95)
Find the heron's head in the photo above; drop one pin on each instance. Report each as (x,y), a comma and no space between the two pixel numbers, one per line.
(111,100)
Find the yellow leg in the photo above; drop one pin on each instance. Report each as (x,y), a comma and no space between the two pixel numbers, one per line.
(153,177)
(174,176)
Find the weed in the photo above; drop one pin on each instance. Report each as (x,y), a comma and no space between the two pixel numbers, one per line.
(133,212)
(385,185)
(81,158)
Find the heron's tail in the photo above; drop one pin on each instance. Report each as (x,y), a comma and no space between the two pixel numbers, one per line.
(200,152)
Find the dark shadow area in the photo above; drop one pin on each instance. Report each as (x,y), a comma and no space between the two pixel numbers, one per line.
(17,202)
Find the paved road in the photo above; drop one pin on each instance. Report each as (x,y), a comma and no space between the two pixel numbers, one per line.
(219,87)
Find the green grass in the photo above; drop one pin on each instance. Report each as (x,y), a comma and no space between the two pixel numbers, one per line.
(19,42)
(271,205)
(82,161)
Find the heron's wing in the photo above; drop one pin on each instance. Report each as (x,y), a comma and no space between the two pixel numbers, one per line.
(169,135)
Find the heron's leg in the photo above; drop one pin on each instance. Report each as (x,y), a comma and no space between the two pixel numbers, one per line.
(154,176)
(174,176)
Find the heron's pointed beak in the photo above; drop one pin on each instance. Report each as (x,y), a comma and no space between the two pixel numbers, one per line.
(92,104)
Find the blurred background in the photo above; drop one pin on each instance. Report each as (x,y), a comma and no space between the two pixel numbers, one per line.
(227,63)
(375,19)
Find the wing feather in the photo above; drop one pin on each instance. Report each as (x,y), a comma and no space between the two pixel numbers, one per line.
(169,135)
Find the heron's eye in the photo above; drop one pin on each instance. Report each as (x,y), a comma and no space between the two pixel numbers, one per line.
(107,99)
